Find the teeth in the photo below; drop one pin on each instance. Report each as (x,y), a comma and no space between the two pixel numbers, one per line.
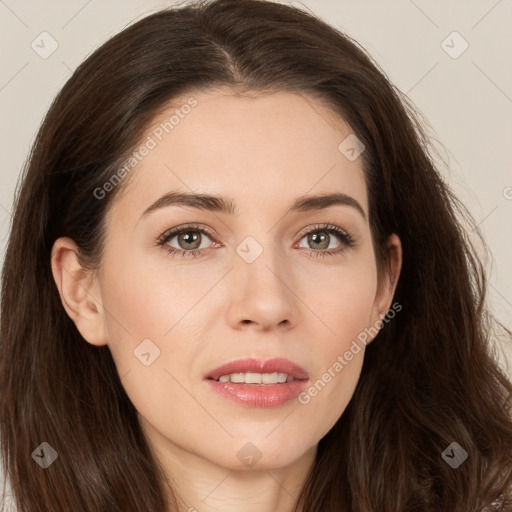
(256,378)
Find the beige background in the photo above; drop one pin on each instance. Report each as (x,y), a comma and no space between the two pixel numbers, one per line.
(467,100)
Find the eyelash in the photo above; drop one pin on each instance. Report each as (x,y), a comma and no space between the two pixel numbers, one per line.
(346,239)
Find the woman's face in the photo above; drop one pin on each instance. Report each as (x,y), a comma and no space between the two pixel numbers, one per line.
(262,284)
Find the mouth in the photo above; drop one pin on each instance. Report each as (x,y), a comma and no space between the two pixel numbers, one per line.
(258,371)
(251,378)
(258,383)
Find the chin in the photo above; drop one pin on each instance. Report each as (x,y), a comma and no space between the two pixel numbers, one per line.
(253,456)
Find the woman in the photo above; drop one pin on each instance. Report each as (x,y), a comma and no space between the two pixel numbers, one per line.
(321,345)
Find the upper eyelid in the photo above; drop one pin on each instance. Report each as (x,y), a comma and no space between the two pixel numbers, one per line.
(171,233)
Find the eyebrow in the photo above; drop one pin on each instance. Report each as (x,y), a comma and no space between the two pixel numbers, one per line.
(224,205)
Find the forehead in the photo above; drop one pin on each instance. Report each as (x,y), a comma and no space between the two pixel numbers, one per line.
(258,149)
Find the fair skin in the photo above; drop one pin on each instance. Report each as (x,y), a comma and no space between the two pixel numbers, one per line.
(263,152)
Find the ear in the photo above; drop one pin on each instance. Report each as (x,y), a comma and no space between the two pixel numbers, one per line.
(79,291)
(387,283)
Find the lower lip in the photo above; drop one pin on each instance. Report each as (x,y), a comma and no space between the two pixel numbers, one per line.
(254,395)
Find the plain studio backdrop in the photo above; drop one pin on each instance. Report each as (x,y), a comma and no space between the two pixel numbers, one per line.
(450,58)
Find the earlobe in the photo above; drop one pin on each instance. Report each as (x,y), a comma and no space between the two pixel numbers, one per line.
(79,291)
(387,283)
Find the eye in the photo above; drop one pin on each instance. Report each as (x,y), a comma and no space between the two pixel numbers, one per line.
(188,238)
(321,236)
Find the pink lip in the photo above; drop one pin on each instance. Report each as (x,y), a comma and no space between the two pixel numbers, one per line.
(259,395)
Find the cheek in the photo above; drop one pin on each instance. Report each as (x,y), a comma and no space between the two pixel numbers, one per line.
(147,342)
(330,392)
(345,310)
(339,362)
(136,313)
(153,321)
(145,299)
(345,300)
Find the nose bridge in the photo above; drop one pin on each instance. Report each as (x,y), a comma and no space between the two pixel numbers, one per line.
(261,260)
(262,281)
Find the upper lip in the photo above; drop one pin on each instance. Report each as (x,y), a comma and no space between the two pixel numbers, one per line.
(252,365)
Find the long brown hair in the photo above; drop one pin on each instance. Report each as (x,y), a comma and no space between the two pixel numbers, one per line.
(429,378)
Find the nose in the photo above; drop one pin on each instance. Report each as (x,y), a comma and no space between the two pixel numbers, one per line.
(261,293)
